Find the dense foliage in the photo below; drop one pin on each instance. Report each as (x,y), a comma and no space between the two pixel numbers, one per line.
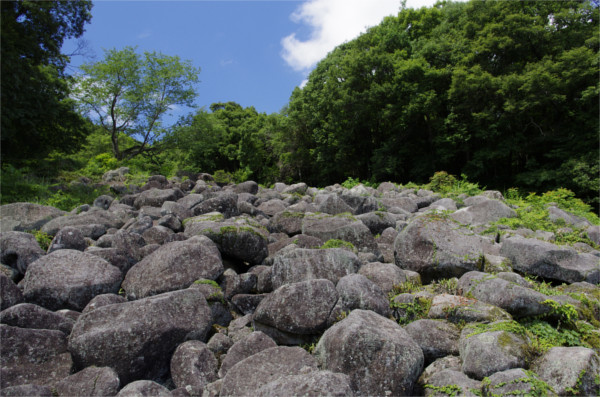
(505,92)
(502,93)
(37,114)
(127,93)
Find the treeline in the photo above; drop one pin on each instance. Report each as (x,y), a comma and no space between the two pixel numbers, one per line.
(505,92)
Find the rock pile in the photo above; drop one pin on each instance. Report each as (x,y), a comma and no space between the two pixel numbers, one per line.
(189,288)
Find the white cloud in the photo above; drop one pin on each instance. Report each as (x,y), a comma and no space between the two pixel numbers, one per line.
(144,34)
(333,22)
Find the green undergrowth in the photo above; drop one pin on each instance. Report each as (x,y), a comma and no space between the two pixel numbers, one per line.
(43,239)
(532,213)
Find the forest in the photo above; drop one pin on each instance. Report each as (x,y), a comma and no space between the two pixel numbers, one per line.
(504,93)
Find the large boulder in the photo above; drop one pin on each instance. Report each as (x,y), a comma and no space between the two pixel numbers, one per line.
(26,216)
(137,338)
(18,250)
(91,381)
(450,382)
(515,299)
(33,356)
(483,211)
(222,202)
(459,309)
(377,221)
(437,338)
(295,312)
(332,204)
(555,214)
(385,275)
(174,266)
(27,390)
(95,216)
(550,261)
(27,315)
(570,370)
(144,388)
(249,375)
(516,381)
(288,222)
(10,294)
(69,279)
(358,292)
(156,197)
(316,383)
(376,353)
(485,353)
(193,366)
(241,239)
(436,246)
(256,342)
(301,264)
(68,237)
(340,227)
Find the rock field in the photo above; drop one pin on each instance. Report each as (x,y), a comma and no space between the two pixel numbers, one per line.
(189,288)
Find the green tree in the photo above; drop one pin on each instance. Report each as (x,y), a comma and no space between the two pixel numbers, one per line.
(505,92)
(127,93)
(37,114)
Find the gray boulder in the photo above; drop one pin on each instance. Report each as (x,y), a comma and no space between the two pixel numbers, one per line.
(156,197)
(193,366)
(355,291)
(246,187)
(91,381)
(222,202)
(437,247)
(256,342)
(458,309)
(18,250)
(27,315)
(550,261)
(297,188)
(157,235)
(68,237)
(404,203)
(437,338)
(287,222)
(27,390)
(385,275)
(174,266)
(341,227)
(250,374)
(316,383)
(376,353)
(516,381)
(103,201)
(301,264)
(572,370)
(293,313)
(137,339)
(69,279)
(94,216)
(483,212)
(452,363)
(103,300)
(377,221)
(241,239)
(449,382)
(515,299)
(331,204)
(272,207)
(555,214)
(486,353)
(33,356)
(26,216)
(144,388)
(10,294)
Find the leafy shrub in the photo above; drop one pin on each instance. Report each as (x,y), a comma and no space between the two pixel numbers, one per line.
(441,182)
(42,238)
(222,177)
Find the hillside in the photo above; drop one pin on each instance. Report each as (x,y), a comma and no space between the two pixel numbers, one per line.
(202,286)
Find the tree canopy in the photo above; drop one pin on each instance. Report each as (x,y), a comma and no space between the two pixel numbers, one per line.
(503,91)
(128,93)
(37,115)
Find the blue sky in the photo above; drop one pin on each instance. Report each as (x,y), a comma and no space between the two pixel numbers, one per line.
(250,52)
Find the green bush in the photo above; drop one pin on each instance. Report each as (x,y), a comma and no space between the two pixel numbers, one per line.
(222,177)
(335,243)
